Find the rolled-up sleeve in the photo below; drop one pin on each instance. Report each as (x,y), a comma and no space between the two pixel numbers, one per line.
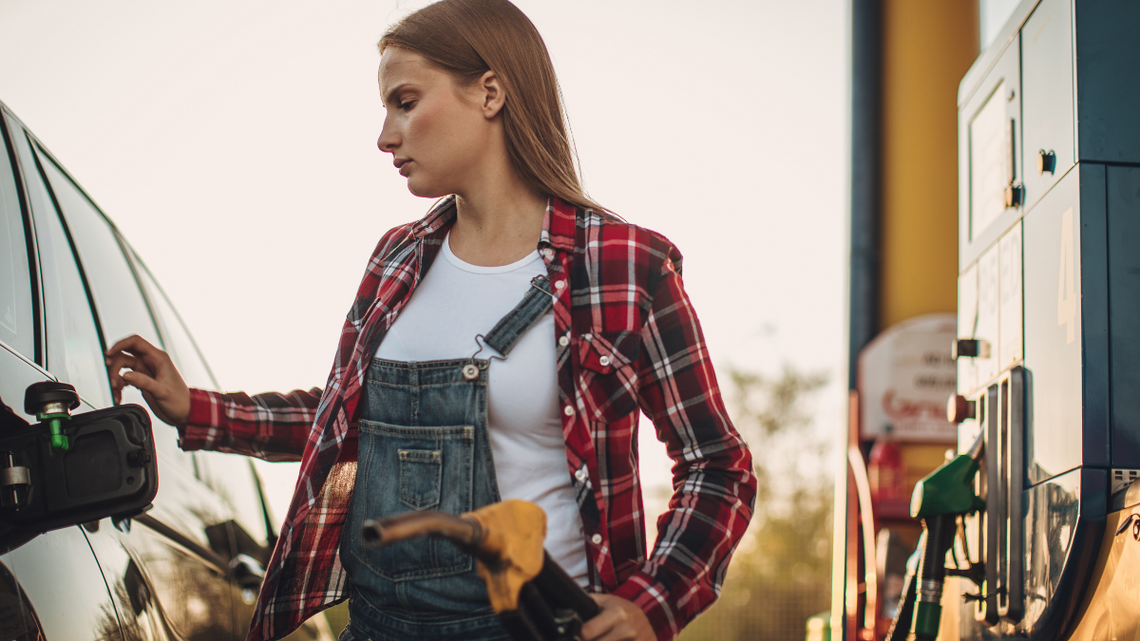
(270,426)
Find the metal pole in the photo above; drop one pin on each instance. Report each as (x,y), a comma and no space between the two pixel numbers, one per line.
(866,183)
(863,317)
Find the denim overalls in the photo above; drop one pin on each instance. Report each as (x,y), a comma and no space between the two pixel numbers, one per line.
(424,446)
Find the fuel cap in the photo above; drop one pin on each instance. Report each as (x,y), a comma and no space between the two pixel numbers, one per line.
(50,397)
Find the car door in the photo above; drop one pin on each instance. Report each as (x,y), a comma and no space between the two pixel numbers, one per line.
(233,478)
(50,587)
(190,567)
(199,556)
(168,574)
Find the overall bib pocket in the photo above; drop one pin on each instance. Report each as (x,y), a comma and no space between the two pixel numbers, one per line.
(421,473)
(434,470)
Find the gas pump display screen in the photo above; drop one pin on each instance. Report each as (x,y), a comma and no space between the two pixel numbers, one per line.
(990,161)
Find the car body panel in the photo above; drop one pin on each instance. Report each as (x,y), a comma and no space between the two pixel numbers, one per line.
(180,570)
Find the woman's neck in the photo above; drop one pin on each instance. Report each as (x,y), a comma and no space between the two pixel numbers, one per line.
(498,222)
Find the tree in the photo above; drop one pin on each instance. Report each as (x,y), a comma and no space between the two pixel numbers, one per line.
(781,574)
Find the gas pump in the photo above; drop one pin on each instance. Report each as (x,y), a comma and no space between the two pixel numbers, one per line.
(1048,348)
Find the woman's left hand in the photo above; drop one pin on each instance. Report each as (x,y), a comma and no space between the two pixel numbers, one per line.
(618,620)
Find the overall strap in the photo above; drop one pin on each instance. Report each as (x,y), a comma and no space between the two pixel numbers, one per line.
(510,328)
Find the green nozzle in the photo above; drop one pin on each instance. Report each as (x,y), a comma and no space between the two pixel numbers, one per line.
(59,440)
(947,490)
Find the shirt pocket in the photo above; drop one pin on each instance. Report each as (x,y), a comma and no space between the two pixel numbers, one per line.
(607,379)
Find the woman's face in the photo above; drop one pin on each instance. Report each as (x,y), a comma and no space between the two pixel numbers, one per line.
(436,130)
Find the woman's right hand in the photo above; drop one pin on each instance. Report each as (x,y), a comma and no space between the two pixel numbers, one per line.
(149,369)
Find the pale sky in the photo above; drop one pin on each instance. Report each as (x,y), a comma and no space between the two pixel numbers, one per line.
(233,143)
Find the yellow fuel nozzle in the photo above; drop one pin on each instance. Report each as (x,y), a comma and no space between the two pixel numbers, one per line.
(512,549)
(505,538)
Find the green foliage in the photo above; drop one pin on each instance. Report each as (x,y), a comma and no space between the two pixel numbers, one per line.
(781,573)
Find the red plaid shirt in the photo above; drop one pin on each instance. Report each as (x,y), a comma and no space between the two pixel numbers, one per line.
(627,338)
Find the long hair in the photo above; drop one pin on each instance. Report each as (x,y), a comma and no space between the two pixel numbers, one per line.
(470,37)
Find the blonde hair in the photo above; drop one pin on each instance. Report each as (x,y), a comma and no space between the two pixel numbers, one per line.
(470,37)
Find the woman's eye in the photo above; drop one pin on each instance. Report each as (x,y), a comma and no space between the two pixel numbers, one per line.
(405,106)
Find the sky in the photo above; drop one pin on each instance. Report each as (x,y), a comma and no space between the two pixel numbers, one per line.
(233,142)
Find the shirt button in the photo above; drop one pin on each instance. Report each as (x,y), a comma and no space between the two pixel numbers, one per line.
(564,340)
(547,252)
(559,284)
(596,539)
(568,411)
(580,475)
(605,360)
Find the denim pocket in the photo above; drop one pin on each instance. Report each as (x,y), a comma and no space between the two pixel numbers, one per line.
(403,468)
(421,473)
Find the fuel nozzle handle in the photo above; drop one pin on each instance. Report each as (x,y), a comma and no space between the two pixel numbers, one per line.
(939,499)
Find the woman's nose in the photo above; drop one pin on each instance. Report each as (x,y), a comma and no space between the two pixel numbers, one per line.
(388,139)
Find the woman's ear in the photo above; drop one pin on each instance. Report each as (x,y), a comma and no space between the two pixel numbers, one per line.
(492,93)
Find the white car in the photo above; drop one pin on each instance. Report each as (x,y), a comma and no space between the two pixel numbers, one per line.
(189,564)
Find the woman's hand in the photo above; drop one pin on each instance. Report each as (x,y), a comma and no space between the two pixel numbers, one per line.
(618,620)
(153,373)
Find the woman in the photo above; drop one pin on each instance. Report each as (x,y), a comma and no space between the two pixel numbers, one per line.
(498,348)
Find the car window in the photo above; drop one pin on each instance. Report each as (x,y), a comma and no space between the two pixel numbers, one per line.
(119,301)
(74,346)
(232,477)
(165,436)
(17,321)
(183,351)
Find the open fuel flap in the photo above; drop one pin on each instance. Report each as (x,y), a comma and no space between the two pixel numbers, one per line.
(65,469)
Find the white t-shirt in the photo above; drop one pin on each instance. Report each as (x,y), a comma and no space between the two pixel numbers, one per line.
(457,301)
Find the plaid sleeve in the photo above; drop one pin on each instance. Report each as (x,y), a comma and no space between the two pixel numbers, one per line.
(270,426)
(715,487)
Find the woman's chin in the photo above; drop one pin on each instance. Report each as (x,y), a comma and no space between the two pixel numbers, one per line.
(419,188)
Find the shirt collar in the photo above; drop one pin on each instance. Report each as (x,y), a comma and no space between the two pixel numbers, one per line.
(441,215)
(558,225)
